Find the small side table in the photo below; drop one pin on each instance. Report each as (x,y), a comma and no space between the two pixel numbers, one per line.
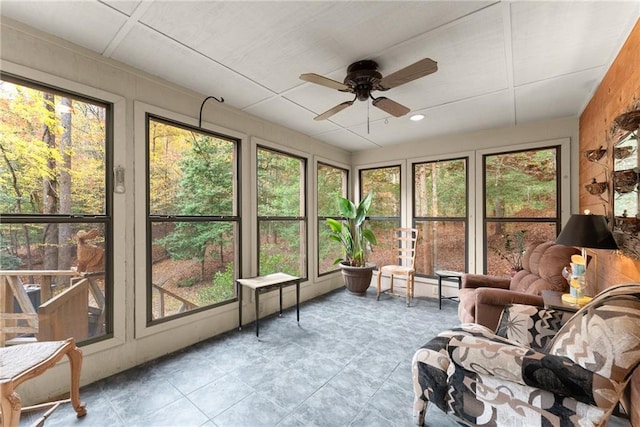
(262,284)
(553,300)
(447,275)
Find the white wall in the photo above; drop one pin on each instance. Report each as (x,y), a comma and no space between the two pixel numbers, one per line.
(29,53)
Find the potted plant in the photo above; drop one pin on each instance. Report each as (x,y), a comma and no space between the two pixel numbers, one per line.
(355,237)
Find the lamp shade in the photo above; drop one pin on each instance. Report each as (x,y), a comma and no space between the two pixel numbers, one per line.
(587,231)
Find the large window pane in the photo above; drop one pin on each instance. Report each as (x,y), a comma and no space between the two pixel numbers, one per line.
(281,201)
(385,184)
(442,246)
(332,184)
(384,215)
(282,248)
(440,213)
(521,205)
(193,226)
(280,184)
(385,251)
(190,173)
(62,302)
(193,265)
(55,281)
(523,184)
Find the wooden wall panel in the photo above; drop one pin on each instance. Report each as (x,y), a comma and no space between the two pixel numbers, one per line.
(618,91)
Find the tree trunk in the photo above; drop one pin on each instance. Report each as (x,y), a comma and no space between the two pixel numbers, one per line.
(16,188)
(50,191)
(66,145)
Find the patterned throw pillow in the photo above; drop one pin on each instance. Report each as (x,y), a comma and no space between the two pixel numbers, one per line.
(531,326)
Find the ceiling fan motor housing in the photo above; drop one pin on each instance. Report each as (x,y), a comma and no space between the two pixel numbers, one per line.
(362,77)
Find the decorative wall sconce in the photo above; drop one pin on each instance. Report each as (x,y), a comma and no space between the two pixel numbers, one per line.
(628,121)
(621,153)
(595,155)
(625,181)
(596,188)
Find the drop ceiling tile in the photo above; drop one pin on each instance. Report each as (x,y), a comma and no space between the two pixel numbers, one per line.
(290,115)
(87,23)
(150,51)
(280,40)
(471,61)
(557,38)
(346,140)
(484,112)
(125,6)
(560,97)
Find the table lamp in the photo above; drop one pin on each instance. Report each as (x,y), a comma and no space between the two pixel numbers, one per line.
(587,232)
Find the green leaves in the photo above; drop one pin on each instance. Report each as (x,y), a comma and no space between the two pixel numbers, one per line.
(351,232)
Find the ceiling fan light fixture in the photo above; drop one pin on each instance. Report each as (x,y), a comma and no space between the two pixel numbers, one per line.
(416,117)
(363,78)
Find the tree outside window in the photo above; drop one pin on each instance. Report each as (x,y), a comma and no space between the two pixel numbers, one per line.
(440,213)
(192,219)
(522,197)
(56,214)
(384,215)
(332,184)
(282,242)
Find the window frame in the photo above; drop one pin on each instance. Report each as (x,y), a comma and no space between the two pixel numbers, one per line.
(303,220)
(466,220)
(40,82)
(151,219)
(321,220)
(563,172)
(399,220)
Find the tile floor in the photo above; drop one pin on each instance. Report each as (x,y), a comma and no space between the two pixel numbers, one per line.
(348,363)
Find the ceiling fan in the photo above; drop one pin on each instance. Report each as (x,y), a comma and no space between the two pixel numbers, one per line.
(363,78)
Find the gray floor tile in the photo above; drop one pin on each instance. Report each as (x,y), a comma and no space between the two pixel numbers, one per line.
(348,362)
(327,407)
(220,395)
(255,411)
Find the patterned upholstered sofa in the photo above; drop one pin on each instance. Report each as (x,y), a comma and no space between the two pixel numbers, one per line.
(532,371)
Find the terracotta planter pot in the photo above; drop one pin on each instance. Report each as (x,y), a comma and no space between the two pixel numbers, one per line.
(357,279)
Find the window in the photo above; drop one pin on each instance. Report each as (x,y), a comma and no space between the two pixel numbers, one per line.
(56,207)
(384,214)
(192,222)
(332,184)
(282,243)
(521,204)
(440,213)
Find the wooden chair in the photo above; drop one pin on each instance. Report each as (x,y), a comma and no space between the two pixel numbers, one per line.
(402,263)
(22,362)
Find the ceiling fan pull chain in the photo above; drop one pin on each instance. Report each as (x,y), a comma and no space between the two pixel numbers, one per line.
(367,118)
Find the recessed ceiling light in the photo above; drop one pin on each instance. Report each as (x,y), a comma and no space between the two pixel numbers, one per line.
(417,117)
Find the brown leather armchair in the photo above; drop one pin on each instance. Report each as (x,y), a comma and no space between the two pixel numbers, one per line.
(482,297)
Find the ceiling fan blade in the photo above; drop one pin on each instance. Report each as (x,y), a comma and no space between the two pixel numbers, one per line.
(412,72)
(334,110)
(391,107)
(324,81)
